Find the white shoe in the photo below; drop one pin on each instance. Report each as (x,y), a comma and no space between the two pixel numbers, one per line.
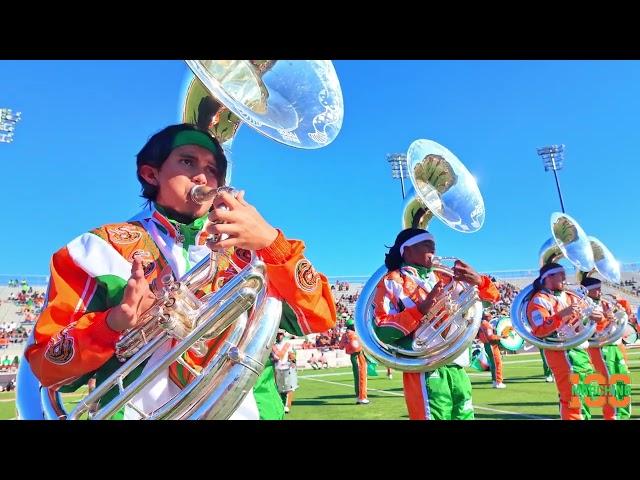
(363,401)
(286,409)
(499,385)
(549,379)
(390,377)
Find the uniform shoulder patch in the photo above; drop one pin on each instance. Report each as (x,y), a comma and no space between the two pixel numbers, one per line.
(306,276)
(123,234)
(61,348)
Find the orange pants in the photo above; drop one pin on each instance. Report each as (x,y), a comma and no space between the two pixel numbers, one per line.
(599,364)
(359,366)
(563,363)
(495,361)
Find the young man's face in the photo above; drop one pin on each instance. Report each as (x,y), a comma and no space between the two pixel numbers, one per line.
(555,281)
(595,293)
(186,166)
(421,253)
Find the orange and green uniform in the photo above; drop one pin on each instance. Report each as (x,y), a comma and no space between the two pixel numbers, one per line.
(542,313)
(609,360)
(624,303)
(72,341)
(491,340)
(353,347)
(442,394)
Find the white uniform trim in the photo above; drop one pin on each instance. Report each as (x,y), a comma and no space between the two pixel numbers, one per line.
(96,257)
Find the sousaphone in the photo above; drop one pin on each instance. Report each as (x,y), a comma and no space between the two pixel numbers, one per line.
(442,187)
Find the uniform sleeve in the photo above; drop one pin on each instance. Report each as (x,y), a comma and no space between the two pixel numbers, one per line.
(293,279)
(626,305)
(69,341)
(543,322)
(392,323)
(488,291)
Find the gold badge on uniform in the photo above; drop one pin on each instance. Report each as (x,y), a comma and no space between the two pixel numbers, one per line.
(61,349)
(124,235)
(306,276)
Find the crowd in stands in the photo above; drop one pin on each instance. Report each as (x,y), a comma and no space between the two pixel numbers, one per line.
(508,292)
(631,285)
(9,366)
(11,332)
(340,286)
(28,303)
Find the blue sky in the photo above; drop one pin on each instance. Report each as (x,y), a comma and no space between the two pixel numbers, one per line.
(71,166)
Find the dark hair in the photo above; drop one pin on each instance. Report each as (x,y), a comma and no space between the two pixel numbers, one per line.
(589,281)
(537,283)
(393,259)
(158,148)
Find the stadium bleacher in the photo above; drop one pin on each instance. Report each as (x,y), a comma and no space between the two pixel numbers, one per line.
(335,357)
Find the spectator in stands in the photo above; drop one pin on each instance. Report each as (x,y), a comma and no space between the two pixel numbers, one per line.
(352,346)
(6,363)
(407,293)
(335,339)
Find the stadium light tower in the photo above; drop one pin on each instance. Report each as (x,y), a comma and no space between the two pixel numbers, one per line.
(398,162)
(552,158)
(8,121)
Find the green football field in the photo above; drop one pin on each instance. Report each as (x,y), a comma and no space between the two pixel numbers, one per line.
(329,394)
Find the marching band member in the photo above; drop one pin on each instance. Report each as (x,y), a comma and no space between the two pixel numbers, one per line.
(550,308)
(633,321)
(283,357)
(491,347)
(99,284)
(402,298)
(607,360)
(352,347)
